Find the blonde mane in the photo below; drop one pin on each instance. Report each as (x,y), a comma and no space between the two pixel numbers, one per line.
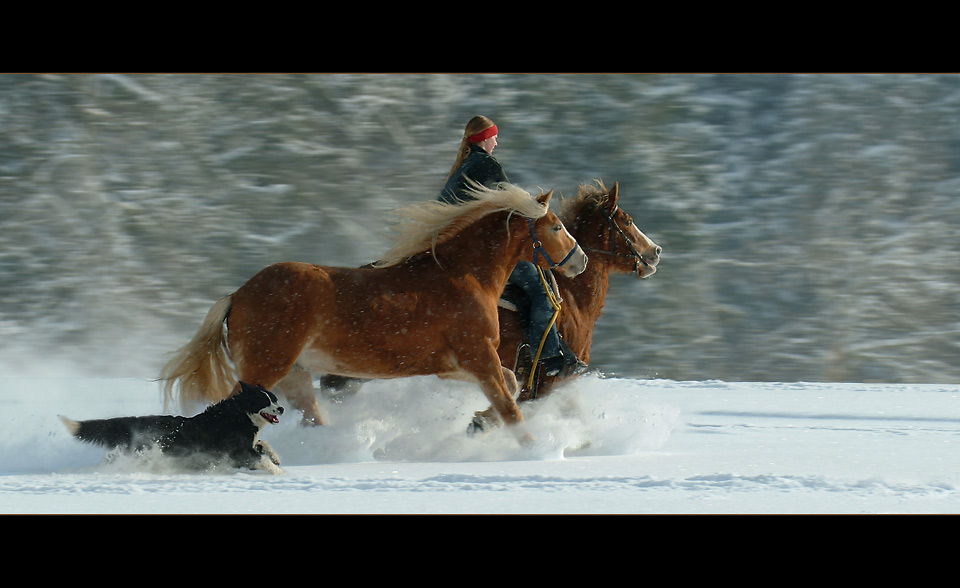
(422,227)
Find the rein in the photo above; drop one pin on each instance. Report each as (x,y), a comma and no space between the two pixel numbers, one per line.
(634,254)
(555,302)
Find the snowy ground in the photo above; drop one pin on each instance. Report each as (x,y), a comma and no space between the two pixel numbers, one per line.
(604,445)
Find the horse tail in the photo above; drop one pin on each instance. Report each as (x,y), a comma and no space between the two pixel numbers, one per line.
(202,369)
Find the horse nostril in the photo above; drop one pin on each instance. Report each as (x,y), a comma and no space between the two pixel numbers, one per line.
(659,249)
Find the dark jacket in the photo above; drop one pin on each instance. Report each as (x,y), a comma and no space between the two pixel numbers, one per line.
(480,167)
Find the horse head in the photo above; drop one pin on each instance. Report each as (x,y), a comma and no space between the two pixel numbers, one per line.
(553,245)
(619,238)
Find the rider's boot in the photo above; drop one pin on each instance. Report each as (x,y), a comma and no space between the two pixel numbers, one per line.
(565,364)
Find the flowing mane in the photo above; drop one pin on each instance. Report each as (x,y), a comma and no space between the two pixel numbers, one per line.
(422,227)
(587,199)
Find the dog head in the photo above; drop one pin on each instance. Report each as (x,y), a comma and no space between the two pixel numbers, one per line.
(260,404)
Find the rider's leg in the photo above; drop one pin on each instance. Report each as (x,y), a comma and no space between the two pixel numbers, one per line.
(539,312)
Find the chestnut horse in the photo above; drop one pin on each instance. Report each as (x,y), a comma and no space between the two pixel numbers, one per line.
(615,244)
(595,219)
(429,307)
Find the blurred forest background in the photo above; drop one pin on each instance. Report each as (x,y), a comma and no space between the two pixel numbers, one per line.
(810,223)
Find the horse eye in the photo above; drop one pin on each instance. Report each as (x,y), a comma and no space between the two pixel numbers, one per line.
(558,228)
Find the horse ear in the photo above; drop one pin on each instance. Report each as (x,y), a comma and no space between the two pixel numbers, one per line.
(615,192)
(545,198)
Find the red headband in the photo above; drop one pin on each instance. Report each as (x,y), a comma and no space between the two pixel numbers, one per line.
(483,135)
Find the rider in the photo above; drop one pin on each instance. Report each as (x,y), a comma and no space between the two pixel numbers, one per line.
(474,161)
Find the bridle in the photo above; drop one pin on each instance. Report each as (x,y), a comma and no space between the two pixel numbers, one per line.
(634,254)
(539,250)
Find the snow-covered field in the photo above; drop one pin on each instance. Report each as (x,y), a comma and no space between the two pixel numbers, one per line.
(604,445)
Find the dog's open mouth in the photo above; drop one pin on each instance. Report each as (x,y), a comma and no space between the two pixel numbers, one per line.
(270,418)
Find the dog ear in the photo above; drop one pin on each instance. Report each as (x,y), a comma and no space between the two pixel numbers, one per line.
(271,396)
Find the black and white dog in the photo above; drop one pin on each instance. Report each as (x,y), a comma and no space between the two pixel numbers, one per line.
(225,434)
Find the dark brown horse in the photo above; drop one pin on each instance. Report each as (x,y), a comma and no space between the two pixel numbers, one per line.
(615,244)
(429,307)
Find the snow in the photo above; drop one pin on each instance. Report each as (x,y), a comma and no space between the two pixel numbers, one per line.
(604,445)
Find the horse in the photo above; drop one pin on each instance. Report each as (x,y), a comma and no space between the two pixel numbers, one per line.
(429,307)
(615,244)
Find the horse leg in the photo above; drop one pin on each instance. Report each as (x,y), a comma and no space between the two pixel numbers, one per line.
(297,387)
(510,379)
(483,419)
(499,387)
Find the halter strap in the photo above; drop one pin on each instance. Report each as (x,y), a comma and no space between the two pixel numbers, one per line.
(538,248)
(633,250)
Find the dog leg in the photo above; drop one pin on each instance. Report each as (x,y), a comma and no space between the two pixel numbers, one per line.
(267,465)
(266,450)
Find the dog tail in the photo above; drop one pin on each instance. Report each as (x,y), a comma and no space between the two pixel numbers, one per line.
(106,432)
(72,426)
(202,370)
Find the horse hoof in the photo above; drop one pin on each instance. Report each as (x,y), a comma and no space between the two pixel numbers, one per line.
(475,427)
(482,423)
(526,439)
